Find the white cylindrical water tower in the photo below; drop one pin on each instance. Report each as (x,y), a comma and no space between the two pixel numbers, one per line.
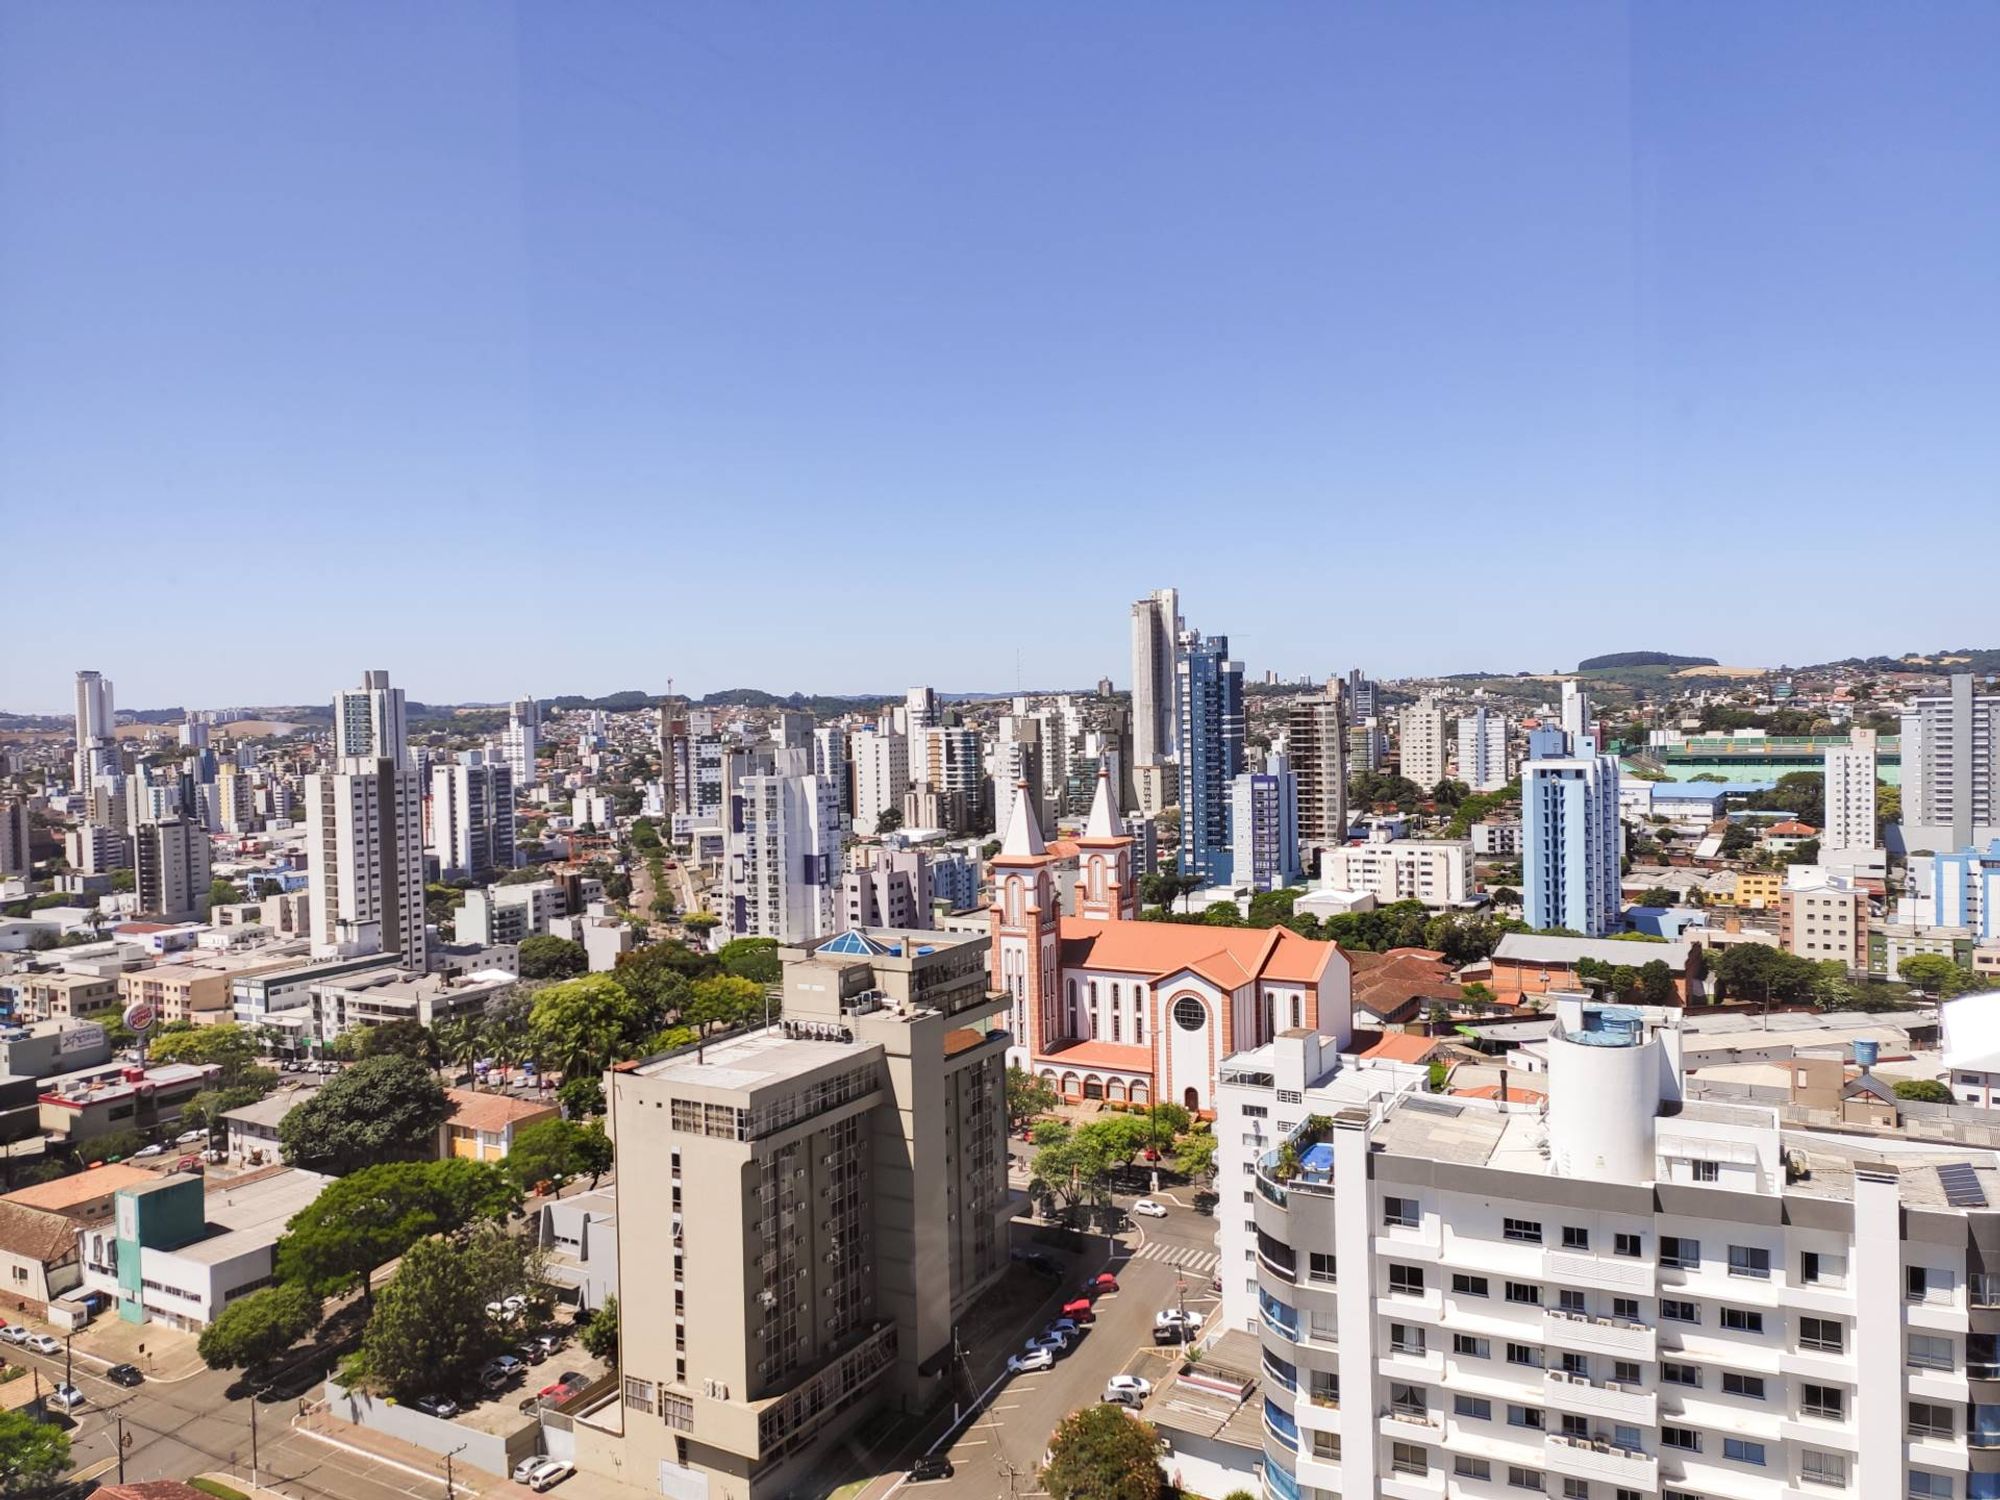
(1604,1095)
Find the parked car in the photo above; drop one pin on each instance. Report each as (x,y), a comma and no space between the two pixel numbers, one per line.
(41,1343)
(1031,1360)
(153,1150)
(1120,1386)
(499,1371)
(1170,1333)
(1146,1208)
(549,1475)
(1099,1284)
(531,1351)
(525,1469)
(14,1333)
(66,1397)
(548,1343)
(188,1136)
(1045,1265)
(1064,1328)
(1080,1309)
(124,1375)
(1168,1315)
(436,1406)
(930,1466)
(1054,1343)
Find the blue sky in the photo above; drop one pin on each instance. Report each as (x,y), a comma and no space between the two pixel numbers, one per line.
(837,346)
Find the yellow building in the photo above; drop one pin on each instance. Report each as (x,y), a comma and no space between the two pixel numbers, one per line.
(483,1126)
(1759,890)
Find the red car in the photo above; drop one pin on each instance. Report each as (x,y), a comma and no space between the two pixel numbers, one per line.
(1103,1281)
(1079,1310)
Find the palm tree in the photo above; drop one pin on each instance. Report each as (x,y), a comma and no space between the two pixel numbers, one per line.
(458,1042)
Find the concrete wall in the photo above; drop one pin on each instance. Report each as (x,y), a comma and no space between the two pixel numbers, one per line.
(482,1450)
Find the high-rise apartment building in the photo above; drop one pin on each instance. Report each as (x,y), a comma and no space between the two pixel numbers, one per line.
(96,730)
(364,844)
(1849,770)
(368,721)
(1363,700)
(1367,745)
(1156,636)
(16,832)
(1264,826)
(782,844)
(1570,839)
(829,749)
(1482,749)
(472,817)
(1576,719)
(1824,916)
(1316,739)
(171,862)
(881,761)
(520,740)
(1436,872)
(1631,1290)
(1421,743)
(1211,752)
(804,1214)
(1951,769)
(920,712)
(1963,890)
(952,759)
(886,888)
(792,729)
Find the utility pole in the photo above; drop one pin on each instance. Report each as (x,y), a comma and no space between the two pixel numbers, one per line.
(254,1484)
(449,1492)
(124,1442)
(69,1358)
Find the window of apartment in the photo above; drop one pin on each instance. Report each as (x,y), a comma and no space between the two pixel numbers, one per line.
(1925,1486)
(1749,1387)
(1468,1347)
(1628,1245)
(1705,1171)
(1684,1438)
(1626,1308)
(1927,1351)
(1463,1285)
(1401,1213)
(1743,1451)
(1408,1458)
(1816,1467)
(1476,1408)
(1256,1112)
(1524,1354)
(1678,1310)
(1524,1292)
(1679,1251)
(1407,1281)
(1570,1300)
(1326,1444)
(1531,1417)
(1471,1468)
(1926,1284)
(1931,1419)
(1625,1371)
(1679,1495)
(1825,1334)
(1406,1338)
(1678,1372)
(1822,1268)
(1574,1364)
(1409,1400)
(1575,1237)
(1574,1426)
(1319,1266)
(1525,1231)
(1742,1320)
(1325,1388)
(1524,1479)
(1825,1401)
(1748,1260)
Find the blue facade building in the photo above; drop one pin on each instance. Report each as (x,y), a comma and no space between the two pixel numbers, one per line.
(1965,887)
(1570,843)
(1264,826)
(1211,753)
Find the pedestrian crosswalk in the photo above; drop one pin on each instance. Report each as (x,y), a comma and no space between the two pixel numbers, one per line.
(1177,1255)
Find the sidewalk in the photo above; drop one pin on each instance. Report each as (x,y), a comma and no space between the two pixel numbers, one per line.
(165,1354)
(319,1423)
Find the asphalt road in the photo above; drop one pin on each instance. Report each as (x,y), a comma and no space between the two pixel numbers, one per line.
(1158,1262)
(176,1429)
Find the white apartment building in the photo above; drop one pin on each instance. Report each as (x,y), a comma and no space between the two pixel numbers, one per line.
(365,860)
(783,849)
(1824,916)
(1571,842)
(1156,634)
(1482,749)
(885,888)
(1623,1293)
(369,722)
(1422,745)
(96,744)
(507,913)
(594,806)
(472,817)
(1951,769)
(881,761)
(170,859)
(520,740)
(1436,872)
(1850,795)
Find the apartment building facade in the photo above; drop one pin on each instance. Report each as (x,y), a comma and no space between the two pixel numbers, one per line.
(1628,1293)
(1849,771)
(1421,743)
(1571,841)
(1436,872)
(1824,916)
(1951,768)
(1316,740)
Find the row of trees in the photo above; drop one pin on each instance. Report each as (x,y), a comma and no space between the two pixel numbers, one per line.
(1462,937)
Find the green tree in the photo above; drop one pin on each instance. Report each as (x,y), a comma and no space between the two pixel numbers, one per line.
(1120,1137)
(1027,1096)
(404,1037)
(1166,1119)
(431,1328)
(226,1045)
(581,1096)
(1070,1166)
(751,958)
(545,956)
(888,821)
(600,1335)
(381,1109)
(723,1001)
(584,1025)
(1104,1452)
(701,921)
(370,1217)
(1933,973)
(1923,1090)
(33,1455)
(556,1150)
(1656,983)
(1194,1155)
(256,1329)
(115,1145)
(222,893)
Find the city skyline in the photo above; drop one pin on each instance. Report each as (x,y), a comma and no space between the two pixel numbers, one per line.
(1550,282)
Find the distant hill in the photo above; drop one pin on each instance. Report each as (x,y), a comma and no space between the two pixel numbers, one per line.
(1643,659)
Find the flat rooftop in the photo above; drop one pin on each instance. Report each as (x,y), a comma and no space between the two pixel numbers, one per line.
(749,1060)
(252,1214)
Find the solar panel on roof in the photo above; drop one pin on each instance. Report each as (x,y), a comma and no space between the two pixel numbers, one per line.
(1961,1185)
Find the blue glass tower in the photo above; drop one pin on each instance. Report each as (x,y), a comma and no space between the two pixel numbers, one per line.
(1211,751)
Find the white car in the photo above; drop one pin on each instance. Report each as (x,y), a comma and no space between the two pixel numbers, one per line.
(1146,1208)
(525,1469)
(150,1151)
(1120,1386)
(550,1474)
(41,1343)
(1031,1361)
(189,1137)
(1167,1317)
(68,1397)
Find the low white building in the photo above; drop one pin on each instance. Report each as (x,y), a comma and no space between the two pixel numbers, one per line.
(1433,871)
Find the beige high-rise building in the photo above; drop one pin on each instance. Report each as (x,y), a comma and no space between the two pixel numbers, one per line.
(835,1195)
(1422,743)
(1316,737)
